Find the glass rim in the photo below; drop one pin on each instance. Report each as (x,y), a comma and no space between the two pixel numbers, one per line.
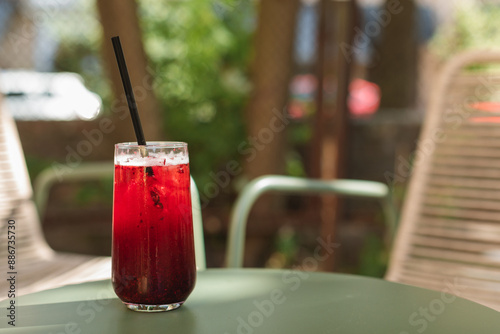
(153,144)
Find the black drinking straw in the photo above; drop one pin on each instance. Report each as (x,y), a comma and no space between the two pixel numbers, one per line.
(129,93)
(127,86)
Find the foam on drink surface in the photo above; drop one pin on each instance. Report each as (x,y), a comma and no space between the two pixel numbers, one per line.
(153,159)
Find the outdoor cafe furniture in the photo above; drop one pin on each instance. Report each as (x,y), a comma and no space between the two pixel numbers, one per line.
(449,228)
(260,301)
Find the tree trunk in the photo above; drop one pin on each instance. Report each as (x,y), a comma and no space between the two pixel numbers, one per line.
(119,17)
(271,74)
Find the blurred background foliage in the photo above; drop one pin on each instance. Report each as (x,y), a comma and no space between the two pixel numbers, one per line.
(202,86)
(474,26)
(202,51)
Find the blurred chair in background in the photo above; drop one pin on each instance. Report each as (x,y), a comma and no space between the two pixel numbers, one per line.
(296,185)
(449,234)
(91,171)
(39,267)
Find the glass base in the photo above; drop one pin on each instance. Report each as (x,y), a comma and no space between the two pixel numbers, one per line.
(153,308)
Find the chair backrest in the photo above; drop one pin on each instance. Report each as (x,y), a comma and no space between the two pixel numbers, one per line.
(449,234)
(16,206)
(295,185)
(98,170)
(199,242)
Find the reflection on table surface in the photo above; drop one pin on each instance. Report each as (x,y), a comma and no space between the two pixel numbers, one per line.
(259,301)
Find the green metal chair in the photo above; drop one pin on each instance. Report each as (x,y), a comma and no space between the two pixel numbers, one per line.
(100,170)
(294,185)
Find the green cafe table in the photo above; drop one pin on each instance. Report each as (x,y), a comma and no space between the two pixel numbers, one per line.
(259,301)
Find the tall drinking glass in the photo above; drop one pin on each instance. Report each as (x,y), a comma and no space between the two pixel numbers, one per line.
(153,259)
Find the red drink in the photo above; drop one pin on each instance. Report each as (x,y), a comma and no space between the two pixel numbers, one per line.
(153,247)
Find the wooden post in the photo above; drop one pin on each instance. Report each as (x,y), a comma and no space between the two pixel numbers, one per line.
(397,54)
(270,75)
(330,132)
